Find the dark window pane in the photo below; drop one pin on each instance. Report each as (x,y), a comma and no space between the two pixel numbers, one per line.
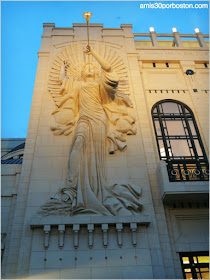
(192,127)
(186,111)
(162,149)
(198,148)
(180,148)
(157,126)
(170,108)
(175,127)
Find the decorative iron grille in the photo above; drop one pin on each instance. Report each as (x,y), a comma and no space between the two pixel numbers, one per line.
(187,171)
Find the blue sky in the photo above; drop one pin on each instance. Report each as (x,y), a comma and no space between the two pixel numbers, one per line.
(21,30)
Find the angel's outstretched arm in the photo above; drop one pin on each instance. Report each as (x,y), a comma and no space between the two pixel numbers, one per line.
(105,65)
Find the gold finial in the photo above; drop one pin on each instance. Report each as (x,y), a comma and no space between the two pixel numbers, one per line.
(87,15)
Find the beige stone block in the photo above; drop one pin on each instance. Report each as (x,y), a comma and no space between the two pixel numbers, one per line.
(38,198)
(77,273)
(24,179)
(50,151)
(43,174)
(117,173)
(44,274)
(110,272)
(136,172)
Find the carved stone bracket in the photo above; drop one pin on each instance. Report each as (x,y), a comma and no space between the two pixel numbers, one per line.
(119,228)
(76,229)
(90,223)
(47,229)
(90,228)
(61,229)
(133,227)
(105,234)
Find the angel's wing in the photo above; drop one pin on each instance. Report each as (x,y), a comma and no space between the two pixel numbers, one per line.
(64,74)
(112,57)
(67,58)
(119,110)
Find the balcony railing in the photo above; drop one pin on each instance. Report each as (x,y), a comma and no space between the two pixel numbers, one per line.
(176,38)
(188,170)
(182,187)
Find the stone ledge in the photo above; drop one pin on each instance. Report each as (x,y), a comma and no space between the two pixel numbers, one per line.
(90,25)
(124,25)
(48,24)
(89,222)
(84,220)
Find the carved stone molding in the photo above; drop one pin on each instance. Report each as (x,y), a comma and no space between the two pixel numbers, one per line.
(194,55)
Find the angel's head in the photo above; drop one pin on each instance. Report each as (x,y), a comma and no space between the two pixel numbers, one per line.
(89,72)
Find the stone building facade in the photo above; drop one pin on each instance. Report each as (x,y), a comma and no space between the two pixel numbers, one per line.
(166,158)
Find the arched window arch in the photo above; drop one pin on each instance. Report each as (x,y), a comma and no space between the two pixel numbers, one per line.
(179,142)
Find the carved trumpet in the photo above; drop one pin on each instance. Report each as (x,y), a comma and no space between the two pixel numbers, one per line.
(87,16)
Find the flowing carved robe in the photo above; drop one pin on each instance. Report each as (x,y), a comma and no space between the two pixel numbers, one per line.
(86,184)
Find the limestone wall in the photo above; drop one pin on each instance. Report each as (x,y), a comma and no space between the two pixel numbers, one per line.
(9,188)
(44,168)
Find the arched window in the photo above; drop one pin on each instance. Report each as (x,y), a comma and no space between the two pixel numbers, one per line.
(179,142)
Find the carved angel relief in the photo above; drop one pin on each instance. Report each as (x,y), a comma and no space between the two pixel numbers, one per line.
(67,74)
(92,95)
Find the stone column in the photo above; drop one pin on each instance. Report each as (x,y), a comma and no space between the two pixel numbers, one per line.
(154,39)
(177,39)
(201,41)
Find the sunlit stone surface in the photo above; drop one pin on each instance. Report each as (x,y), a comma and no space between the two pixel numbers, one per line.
(92,199)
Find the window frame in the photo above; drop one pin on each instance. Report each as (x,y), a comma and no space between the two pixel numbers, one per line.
(180,168)
(193,265)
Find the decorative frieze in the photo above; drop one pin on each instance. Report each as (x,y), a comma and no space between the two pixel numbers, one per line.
(166,54)
(175,91)
(167,91)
